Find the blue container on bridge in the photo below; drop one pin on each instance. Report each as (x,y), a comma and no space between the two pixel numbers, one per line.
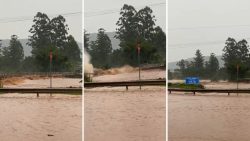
(192,80)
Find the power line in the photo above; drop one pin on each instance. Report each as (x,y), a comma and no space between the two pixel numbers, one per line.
(28,18)
(111,11)
(118,9)
(207,27)
(191,44)
(195,44)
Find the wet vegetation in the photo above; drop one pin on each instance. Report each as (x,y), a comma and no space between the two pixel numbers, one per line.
(137,33)
(185,86)
(49,41)
(236,59)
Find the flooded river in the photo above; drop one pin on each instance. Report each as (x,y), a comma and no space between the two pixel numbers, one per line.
(209,117)
(114,114)
(24,117)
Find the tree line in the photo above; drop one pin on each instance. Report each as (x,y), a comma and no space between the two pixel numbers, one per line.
(235,55)
(48,36)
(197,67)
(135,28)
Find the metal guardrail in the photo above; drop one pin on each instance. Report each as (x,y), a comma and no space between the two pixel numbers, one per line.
(228,91)
(125,83)
(42,90)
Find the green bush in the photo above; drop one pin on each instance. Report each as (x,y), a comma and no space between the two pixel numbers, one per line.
(87,78)
(185,86)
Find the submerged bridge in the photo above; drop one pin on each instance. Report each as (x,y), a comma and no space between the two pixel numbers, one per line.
(42,90)
(194,91)
(126,83)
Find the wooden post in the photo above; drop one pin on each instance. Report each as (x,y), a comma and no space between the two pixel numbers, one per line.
(37,94)
(127,87)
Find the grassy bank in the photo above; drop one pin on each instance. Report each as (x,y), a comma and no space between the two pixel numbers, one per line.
(185,86)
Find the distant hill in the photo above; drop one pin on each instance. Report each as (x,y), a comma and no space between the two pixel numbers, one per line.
(115,42)
(27,49)
(172,65)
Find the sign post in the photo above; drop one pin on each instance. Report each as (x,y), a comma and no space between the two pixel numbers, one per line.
(139,66)
(50,66)
(237,78)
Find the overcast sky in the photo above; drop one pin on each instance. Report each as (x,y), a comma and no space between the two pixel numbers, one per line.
(193,24)
(93,18)
(205,25)
(13,9)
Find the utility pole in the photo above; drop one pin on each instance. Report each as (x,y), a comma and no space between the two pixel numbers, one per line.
(50,64)
(237,78)
(138,54)
(50,67)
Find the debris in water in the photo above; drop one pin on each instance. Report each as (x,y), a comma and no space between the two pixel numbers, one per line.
(88,67)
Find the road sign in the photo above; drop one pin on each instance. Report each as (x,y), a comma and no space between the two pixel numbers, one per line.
(192,80)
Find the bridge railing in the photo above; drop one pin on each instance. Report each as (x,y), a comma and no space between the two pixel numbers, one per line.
(42,90)
(126,83)
(194,91)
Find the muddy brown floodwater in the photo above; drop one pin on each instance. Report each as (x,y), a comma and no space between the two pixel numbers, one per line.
(114,114)
(209,117)
(24,117)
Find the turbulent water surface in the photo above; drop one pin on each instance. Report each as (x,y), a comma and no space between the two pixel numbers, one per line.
(114,114)
(209,117)
(24,117)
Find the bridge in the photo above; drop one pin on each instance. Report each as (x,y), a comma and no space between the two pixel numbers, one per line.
(126,83)
(228,91)
(42,90)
